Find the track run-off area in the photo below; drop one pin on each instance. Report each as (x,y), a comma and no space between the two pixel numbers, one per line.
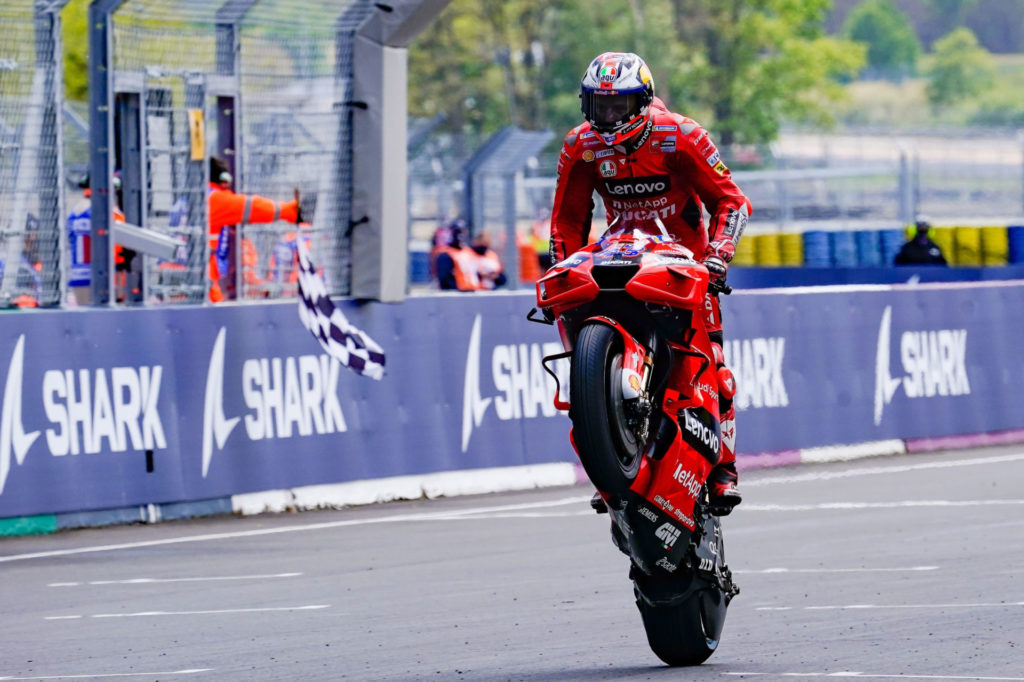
(884,569)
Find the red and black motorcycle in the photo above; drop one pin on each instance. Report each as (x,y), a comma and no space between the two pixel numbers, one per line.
(630,312)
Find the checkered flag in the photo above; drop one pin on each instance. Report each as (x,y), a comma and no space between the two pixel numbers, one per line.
(328,324)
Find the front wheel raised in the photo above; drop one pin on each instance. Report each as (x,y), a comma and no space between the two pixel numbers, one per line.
(605,440)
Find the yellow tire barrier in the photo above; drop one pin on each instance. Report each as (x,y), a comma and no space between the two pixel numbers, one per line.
(995,246)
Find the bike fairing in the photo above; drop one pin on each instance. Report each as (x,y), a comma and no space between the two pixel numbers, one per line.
(648,294)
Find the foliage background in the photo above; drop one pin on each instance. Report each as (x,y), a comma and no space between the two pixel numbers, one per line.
(743,68)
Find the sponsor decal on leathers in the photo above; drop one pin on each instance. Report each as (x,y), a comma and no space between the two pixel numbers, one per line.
(285,397)
(757,365)
(523,390)
(90,411)
(638,188)
(934,363)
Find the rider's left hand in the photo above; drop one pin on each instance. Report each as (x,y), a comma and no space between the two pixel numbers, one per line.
(717,257)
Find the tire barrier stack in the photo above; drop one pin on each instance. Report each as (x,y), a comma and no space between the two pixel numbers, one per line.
(1015,243)
(963,246)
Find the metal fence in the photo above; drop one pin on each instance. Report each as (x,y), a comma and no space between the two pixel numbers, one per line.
(31,193)
(260,84)
(961,176)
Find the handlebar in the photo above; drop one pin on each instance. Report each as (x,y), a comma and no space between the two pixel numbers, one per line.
(718,286)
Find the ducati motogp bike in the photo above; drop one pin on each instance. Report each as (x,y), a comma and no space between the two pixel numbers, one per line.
(631,313)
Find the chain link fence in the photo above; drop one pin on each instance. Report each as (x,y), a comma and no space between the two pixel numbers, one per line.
(31,191)
(261,85)
(963,176)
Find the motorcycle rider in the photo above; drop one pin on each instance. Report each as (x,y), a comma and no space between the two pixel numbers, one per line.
(646,161)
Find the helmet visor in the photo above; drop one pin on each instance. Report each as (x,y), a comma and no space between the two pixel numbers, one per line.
(609,111)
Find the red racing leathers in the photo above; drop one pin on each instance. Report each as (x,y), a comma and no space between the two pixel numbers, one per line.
(672,170)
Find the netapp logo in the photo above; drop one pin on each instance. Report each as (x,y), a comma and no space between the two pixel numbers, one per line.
(687,478)
(703,432)
(638,188)
(934,362)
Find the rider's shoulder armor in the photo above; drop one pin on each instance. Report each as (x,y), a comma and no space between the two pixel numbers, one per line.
(581,144)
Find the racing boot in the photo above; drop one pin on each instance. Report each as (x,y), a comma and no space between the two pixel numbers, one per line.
(722,480)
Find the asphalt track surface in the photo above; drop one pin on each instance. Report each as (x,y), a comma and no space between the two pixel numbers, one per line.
(895,568)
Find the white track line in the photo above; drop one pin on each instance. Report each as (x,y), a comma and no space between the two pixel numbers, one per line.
(896,569)
(880,676)
(211,612)
(397,518)
(149,581)
(902,504)
(892,469)
(866,607)
(79,676)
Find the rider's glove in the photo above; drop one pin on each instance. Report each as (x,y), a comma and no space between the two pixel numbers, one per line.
(717,257)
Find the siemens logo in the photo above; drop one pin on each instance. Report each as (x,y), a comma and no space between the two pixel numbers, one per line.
(638,188)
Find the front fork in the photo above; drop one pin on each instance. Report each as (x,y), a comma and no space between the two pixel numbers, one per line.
(637,365)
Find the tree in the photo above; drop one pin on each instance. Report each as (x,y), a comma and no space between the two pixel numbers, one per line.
(740,67)
(74,36)
(961,69)
(754,64)
(893,47)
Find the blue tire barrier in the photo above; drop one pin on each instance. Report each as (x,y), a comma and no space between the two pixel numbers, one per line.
(869,248)
(419,267)
(816,249)
(844,250)
(891,241)
(1015,235)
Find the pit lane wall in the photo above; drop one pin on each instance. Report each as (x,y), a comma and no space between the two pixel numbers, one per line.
(127,415)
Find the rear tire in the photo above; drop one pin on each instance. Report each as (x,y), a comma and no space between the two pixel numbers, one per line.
(607,446)
(687,633)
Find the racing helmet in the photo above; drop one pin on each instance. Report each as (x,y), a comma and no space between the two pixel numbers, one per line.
(616,94)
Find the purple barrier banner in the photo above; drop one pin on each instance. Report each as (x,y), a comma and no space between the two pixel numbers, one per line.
(850,365)
(113,408)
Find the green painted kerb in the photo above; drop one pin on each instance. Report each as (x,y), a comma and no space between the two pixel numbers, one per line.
(29,525)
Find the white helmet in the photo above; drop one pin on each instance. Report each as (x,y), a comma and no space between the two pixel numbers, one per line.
(616,93)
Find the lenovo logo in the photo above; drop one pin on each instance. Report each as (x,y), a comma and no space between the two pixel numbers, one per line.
(638,188)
